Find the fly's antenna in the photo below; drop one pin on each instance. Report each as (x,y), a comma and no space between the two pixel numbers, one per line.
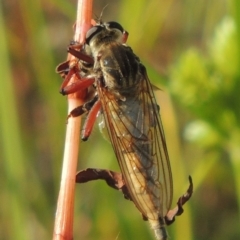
(99,19)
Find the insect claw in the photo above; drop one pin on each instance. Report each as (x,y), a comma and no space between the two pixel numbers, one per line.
(67,119)
(85,138)
(62,92)
(69,115)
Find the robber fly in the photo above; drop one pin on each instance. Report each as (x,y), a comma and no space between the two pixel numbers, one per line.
(124,95)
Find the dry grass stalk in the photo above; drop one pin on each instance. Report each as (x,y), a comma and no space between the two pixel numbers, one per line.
(63,228)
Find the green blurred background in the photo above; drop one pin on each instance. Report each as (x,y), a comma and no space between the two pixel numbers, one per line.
(192,51)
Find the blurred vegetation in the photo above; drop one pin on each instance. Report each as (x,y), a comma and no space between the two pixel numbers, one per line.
(191,50)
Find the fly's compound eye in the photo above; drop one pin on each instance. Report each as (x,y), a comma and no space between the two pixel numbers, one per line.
(115,25)
(93,32)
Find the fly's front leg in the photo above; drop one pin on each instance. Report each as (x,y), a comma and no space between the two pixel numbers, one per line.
(63,68)
(84,83)
(67,70)
(81,56)
(76,68)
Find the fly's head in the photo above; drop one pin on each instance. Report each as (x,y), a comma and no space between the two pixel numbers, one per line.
(104,33)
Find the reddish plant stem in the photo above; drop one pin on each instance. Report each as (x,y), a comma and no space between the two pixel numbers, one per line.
(63,228)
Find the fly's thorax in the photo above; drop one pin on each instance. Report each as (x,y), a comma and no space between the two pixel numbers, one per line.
(120,67)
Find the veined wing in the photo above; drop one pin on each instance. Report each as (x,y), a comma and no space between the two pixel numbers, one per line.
(137,136)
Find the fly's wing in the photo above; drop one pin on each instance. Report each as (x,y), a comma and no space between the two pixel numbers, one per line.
(136,133)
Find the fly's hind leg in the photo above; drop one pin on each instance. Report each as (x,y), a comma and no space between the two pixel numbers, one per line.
(86,107)
(92,107)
